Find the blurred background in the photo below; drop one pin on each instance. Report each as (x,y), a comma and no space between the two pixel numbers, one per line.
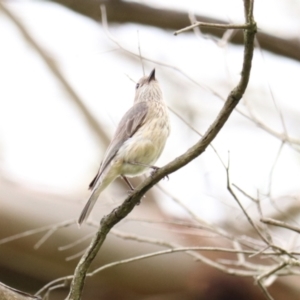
(66,80)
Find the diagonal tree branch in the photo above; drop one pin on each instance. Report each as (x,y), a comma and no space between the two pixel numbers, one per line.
(131,201)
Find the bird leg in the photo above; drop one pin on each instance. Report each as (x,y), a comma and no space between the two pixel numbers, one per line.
(128,183)
(131,187)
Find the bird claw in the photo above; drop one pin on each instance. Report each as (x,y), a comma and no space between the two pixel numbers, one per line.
(154,170)
(130,192)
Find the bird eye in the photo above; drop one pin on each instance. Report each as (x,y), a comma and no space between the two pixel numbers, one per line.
(137,86)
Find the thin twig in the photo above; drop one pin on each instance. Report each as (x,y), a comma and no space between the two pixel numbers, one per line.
(235,197)
(246,241)
(137,238)
(77,242)
(251,222)
(269,193)
(54,287)
(272,93)
(260,251)
(193,20)
(265,291)
(213,25)
(169,251)
(53,283)
(46,236)
(140,53)
(266,275)
(244,193)
(196,131)
(76,255)
(38,230)
(192,214)
(280,224)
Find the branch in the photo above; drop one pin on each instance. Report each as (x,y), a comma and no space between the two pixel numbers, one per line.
(212,25)
(280,224)
(266,275)
(49,228)
(131,201)
(8,293)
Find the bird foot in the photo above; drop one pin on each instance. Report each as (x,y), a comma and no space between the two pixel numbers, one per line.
(154,170)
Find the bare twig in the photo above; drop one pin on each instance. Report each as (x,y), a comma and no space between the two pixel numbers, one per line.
(273,168)
(56,282)
(267,274)
(235,197)
(77,242)
(176,250)
(280,224)
(9,293)
(267,239)
(140,53)
(265,291)
(37,230)
(272,94)
(213,25)
(193,20)
(137,238)
(196,131)
(76,255)
(192,214)
(52,288)
(246,241)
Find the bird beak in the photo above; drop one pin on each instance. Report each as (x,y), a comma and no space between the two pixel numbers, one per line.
(151,76)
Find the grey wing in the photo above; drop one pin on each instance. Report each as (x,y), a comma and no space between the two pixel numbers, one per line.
(128,126)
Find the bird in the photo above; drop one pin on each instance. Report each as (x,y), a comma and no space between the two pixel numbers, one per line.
(138,141)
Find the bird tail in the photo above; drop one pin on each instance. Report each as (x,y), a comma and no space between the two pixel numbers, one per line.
(90,204)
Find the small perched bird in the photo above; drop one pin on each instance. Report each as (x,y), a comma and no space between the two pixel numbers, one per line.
(138,141)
